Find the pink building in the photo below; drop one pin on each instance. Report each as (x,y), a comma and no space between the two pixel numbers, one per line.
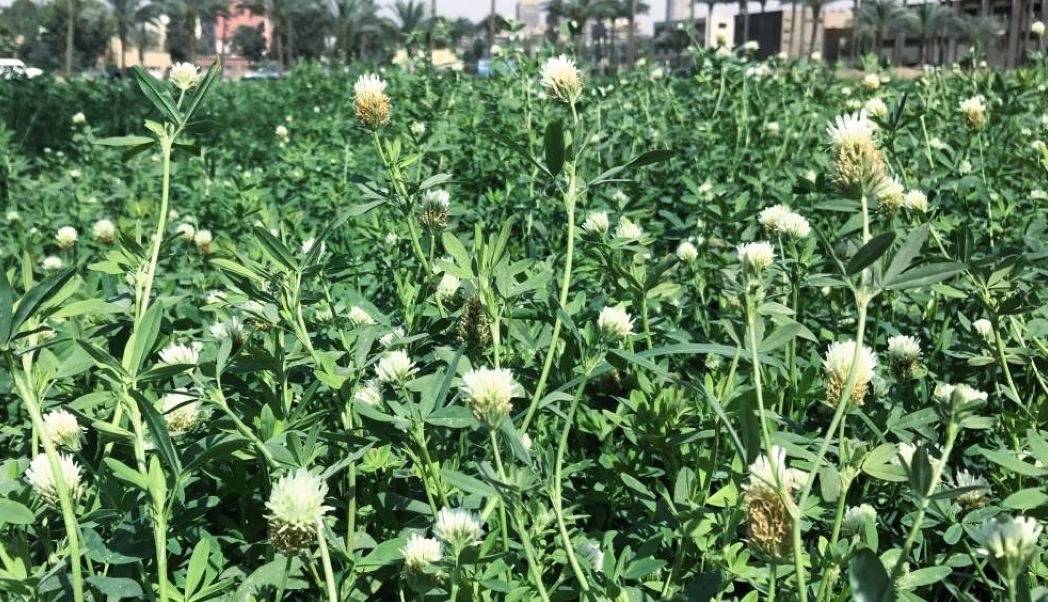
(226,27)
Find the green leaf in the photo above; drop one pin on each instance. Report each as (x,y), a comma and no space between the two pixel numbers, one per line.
(116,588)
(456,417)
(202,89)
(157,94)
(924,275)
(384,554)
(197,565)
(923,577)
(1010,462)
(142,338)
(125,141)
(37,296)
(869,580)
(466,483)
(274,249)
(13,513)
(643,567)
(553,140)
(1026,499)
(161,438)
(126,473)
(870,252)
(7,306)
(910,249)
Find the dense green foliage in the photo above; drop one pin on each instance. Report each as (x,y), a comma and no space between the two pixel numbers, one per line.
(622,471)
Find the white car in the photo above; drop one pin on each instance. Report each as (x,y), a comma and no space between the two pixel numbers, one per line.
(15,68)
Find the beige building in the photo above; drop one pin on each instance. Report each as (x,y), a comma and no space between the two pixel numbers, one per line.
(532,13)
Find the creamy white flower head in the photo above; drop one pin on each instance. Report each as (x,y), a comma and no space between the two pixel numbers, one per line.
(178,354)
(66,236)
(962,394)
(872,81)
(857,517)
(615,322)
(42,480)
(186,231)
(457,528)
(876,107)
(448,285)
(687,252)
(816,56)
(773,128)
(202,239)
(976,497)
(974,110)
(358,316)
(231,329)
(418,128)
(1008,541)
(592,554)
(597,222)
(104,231)
(1037,28)
(12,216)
(281,132)
(838,362)
(52,263)
(525,441)
(903,348)
(387,340)
(890,193)
(391,239)
(772,217)
(795,225)
(394,367)
(182,412)
(419,552)
(184,76)
(756,255)
(1039,146)
(296,504)
(984,327)
(915,200)
(751,46)
(63,430)
(79,119)
(437,197)
(561,79)
(489,392)
(628,230)
(851,128)
(370,393)
(770,473)
(369,83)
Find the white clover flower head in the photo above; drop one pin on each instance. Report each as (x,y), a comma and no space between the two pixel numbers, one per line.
(12,216)
(307,246)
(42,479)
(857,517)
(66,236)
(370,393)
(437,197)
(627,230)
(457,528)
(63,429)
(772,217)
(418,128)
(391,239)
(186,231)
(686,251)
(1039,146)
(890,192)
(177,354)
(79,119)
(525,441)
(1008,542)
(851,128)
(837,365)
(974,111)
(773,128)
(104,231)
(490,393)
(962,396)
(420,552)
(182,412)
(448,286)
(903,348)
(202,239)
(984,328)
(184,76)
(597,223)
(915,200)
(816,56)
(387,340)
(369,83)
(614,322)
(770,473)
(751,46)
(230,329)
(561,79)
(796,226)
(871,81)
(1037,28)
(282,132)
(394,367)
(756,256)
(876,107)
(370,103)
(978,487)
(592,554)
(296,506)
(52,263)
(358,316)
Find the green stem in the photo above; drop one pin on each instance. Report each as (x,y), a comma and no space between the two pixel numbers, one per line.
(160,543)
(558,504)
(999,347)
(937,467)
(283,579)
(158,237)
(325,558)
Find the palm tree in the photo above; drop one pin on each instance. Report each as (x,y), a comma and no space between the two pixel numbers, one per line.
(143,37)
(188,12)
(930,21)
(816,19)
(977,31)
(409,16)
(70,35)
(875,18)
(128,14)
(1014,32)
(355,20)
